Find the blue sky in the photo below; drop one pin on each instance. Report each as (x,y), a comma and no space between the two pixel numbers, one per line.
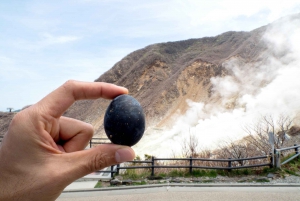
(45,43)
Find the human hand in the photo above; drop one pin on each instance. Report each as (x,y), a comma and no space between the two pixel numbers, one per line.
(42,152)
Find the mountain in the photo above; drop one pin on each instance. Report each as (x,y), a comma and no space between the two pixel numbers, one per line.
(163,76)
(5,118)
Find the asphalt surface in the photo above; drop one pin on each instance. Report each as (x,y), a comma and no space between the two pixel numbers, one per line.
(174,193)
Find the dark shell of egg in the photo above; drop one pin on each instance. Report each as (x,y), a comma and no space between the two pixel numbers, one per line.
(124,121)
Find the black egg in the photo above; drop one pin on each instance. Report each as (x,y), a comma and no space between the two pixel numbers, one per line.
(124,121)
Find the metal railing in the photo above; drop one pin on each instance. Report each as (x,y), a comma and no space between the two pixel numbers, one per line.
(278,161)
(99,141)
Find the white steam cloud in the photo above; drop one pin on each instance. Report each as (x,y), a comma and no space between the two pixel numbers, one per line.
(270,86)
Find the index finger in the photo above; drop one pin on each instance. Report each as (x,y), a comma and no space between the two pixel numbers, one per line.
(58,101)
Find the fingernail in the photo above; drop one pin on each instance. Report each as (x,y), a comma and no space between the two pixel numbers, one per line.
(124,154)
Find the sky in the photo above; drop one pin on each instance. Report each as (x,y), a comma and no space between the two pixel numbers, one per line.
(45,43)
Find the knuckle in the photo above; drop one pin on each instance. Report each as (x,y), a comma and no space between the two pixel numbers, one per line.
(69,84)
(89,130)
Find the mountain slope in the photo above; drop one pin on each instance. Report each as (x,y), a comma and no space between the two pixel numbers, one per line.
(163,76)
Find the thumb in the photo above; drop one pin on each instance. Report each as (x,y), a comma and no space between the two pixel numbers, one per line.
(84,162)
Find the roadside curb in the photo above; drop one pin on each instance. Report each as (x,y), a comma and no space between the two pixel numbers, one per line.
(179,185)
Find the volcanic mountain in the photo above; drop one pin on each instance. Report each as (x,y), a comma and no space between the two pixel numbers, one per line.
(163,76)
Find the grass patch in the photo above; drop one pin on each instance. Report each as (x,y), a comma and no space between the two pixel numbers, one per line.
(198,173)
(212,173)
(134,174)
(139,183)
(235,172)
(293,166)
(291,172)
(98,185)
(262,180)
(177,173)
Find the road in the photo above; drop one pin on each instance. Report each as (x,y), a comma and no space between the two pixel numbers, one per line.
(189,193)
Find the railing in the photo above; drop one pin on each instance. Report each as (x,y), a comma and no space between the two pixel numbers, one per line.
(229,161)
(99,141)
(278,161)
(191,166)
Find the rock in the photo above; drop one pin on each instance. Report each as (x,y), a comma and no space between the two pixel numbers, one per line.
(262,180)
(127,182)
(154,177)
(119,177)
(242,180)
(271,175)
(115,182)
(176,180)
(207,181)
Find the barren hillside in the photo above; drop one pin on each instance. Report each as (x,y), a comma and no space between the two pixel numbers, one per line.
(163,76)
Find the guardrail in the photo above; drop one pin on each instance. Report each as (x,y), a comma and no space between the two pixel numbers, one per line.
(278,161)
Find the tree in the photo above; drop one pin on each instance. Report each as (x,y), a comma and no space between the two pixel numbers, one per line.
(235,150)
(190,145)
(10,109)
(259,132)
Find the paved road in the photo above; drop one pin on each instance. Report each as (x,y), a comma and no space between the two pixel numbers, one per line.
(190,194)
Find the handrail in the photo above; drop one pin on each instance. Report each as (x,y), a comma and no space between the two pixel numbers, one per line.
(288,148)
(278,155)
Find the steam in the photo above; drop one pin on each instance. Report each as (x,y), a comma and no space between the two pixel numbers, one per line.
(270,86)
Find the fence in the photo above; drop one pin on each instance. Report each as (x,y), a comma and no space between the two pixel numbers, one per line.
(278,154)
(191,166)
(229,161)
(99,141)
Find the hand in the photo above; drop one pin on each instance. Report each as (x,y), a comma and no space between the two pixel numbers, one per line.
(42,152)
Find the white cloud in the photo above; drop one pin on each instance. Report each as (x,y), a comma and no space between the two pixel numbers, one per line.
(49,39)
(44,40)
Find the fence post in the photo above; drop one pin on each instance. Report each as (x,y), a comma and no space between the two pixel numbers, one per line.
(118,170)
(278,161)
(297,150)
(191,165)
(90,143)
(112,171)
(271,161)
(152,168)
(229,164)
